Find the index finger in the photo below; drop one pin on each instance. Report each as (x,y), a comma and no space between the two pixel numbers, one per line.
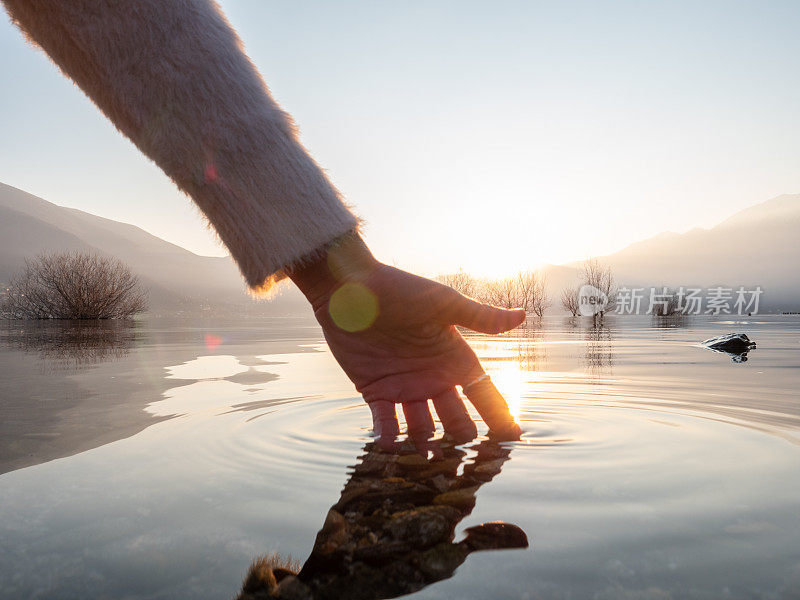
(492,408)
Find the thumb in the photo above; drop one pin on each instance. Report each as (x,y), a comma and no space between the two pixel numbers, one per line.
(482,317)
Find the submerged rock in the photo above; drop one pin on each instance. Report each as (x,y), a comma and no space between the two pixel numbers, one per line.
(495,535)
(731,342)
(737,345)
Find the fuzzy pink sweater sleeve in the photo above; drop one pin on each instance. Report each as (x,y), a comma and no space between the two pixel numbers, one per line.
(173,77)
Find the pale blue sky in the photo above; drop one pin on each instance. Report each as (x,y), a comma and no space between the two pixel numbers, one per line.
(489,136)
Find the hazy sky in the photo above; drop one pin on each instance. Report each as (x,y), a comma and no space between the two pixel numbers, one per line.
(488,136)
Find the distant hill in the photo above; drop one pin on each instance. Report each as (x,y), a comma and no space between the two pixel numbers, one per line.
(759,245)
(756,246)
(177,279)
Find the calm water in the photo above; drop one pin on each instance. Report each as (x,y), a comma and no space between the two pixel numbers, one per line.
(158,461)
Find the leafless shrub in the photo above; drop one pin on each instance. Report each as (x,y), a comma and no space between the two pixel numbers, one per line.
(599,275)
(73,286)
(569,300)
(527,289)
(500,292)
(534,292)
(461,282)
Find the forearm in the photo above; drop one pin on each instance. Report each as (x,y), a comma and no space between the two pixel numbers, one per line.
(171,75)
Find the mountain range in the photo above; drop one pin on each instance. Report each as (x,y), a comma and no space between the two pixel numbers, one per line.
(177,279)
(757,246)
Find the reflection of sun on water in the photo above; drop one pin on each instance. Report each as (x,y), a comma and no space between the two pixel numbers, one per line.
(507,376)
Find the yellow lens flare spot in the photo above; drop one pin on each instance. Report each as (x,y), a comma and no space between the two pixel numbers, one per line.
(353,307)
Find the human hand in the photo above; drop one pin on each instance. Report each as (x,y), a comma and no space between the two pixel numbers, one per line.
(394,335)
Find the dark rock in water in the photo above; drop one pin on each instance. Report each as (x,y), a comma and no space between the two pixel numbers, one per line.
(495,535)
(737,345)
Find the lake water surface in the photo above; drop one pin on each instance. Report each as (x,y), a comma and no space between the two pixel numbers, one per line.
(157,461)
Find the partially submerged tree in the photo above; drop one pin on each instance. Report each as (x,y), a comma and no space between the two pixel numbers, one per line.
(533,292)
(74,286)
(500,292)
(526,289)
(461,282)
(599,275)
(569,300)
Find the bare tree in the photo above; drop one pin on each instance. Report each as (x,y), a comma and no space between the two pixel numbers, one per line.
(500,292)
(74,286)
(569,300)
(461,282)
(542,302)
(599,275)
(532,292)
(526,289)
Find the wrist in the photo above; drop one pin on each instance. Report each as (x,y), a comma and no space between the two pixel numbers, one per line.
(346,258)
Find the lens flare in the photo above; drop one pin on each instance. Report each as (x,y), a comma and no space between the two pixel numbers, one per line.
(212,341)
(353,307)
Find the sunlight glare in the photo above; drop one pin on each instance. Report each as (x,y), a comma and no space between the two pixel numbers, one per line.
(508,379)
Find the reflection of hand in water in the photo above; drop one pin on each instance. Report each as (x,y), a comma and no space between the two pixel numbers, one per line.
(393,334)
(392,531)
